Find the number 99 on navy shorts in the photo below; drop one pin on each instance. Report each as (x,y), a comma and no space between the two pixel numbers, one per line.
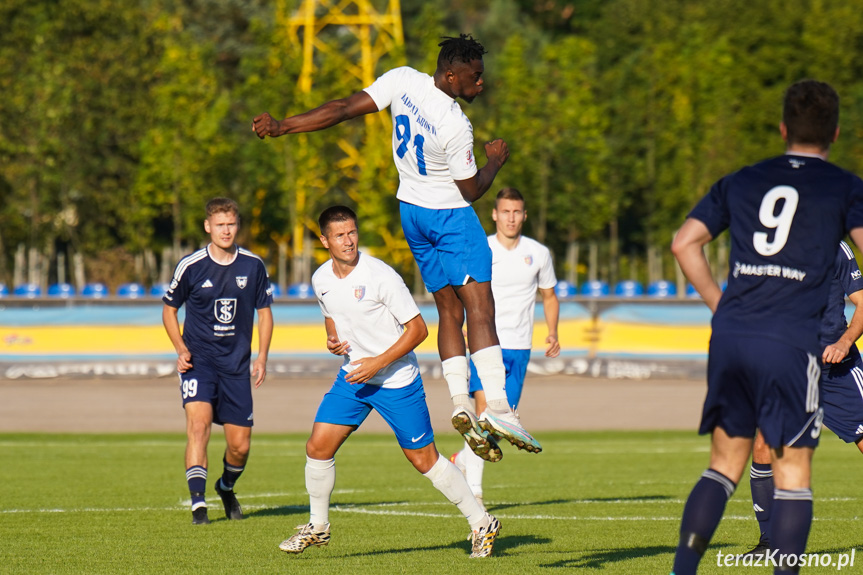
(231,398)
(404,409)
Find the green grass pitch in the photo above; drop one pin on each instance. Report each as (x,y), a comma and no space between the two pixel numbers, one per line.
(604,502)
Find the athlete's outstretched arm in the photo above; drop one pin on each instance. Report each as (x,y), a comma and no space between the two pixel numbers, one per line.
(324,116)
(414,334)
(836,352)
(471,190)
(265,336)
(688,248)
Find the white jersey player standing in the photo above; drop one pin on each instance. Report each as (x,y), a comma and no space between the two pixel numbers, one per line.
(373,322)
(438,180)
(520,267)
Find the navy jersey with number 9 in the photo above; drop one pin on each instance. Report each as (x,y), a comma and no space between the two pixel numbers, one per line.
(786,217)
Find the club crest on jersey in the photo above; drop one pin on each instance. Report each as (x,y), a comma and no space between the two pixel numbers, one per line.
(528,260)
(242,281)
(225,309)
(359,292)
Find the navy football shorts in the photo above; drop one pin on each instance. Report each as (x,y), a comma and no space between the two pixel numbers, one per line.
(515,361)
(231,397)
(449,246)
(404,409)
(842,394)
(755,382)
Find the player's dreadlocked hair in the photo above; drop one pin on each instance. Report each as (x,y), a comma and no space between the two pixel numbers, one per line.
(464,49)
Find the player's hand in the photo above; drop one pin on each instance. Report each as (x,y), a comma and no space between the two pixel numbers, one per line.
(366,369)
(264,125)
(336,347)
(497,151)
(553,349)
(184,361)
(836,352)
(259,371)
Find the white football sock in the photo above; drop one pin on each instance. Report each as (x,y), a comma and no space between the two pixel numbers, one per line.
(473,468)
(448,480)
(492,374)
(320,481)
(455,373)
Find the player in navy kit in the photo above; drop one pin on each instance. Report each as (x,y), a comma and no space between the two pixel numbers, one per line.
(841,385)
(438,180)
(221,285)
(786,215)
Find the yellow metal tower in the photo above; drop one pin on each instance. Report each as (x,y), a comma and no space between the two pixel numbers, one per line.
(356,35)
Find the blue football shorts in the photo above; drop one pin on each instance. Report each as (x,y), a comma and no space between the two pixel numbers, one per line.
(515,361)
(230,397)
(404,409)
(449,246)
(754,382)
(842,394)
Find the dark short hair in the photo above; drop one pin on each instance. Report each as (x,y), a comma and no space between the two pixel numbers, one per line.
(222,206)
(462,49)
(810,112)
(335,214)
(508,194)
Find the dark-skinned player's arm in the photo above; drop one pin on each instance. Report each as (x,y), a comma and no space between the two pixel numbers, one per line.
(473,189)
(324,116)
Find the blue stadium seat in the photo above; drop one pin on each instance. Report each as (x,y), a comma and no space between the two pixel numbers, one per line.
(158,290)
(61,290)
(662,288)
(301,291)
(277,291)
(628,288)
(28,290)
(94,290)
(131,290)
(4,291)
(595,288)
(565,289)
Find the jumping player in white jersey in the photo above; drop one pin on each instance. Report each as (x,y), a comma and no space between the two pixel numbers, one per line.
(841,386)
(785,215)
(373,322)
(520,266)
(438,180)
(221,285)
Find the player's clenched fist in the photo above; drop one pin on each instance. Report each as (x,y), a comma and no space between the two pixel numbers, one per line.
(264,125)
(497,151)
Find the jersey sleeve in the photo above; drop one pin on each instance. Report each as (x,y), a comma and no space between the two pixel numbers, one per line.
(546,278)
(459,150)
(854,219)
(263,293)
(178,290)
(394,294)
(384,87)
(712,210)
(847,270)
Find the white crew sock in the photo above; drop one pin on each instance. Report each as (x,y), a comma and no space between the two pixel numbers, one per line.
(455,373)
(448,480)
(492,374)
(320,480)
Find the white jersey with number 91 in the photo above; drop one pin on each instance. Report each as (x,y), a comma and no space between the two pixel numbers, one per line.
(432,138)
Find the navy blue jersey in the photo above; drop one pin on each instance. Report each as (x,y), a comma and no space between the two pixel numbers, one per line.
(220,307)
(847,280)
(786,216)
